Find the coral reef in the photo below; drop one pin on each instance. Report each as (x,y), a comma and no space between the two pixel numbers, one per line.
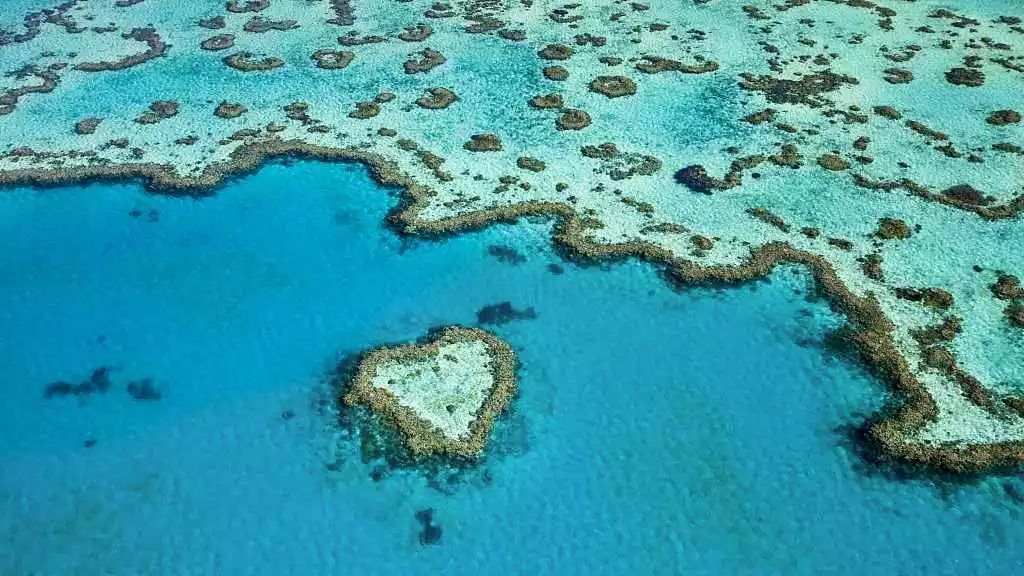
(734,135)
(442,394)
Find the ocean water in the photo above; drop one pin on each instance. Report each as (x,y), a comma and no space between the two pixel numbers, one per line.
(657,431)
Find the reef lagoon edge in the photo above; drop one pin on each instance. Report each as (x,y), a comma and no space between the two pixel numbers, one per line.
(871,332)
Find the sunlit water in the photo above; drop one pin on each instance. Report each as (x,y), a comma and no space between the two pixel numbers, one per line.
(656,431)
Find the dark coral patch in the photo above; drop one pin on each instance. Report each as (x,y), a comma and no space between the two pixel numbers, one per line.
(833,162)
(428,60)
(530,163)
(218,42)
(430,533)
(259,25)
(892,228)
(1015,314)
(1003,117)
(807,90)
(332,59)
(364,110)
(937,298)
(555,52)
(546,101)
(657,64)
(898,75)
(556,73)
(229,110)
(484,142)
(696,178)
(1007,287)
(417,33)
(247,62)
(613,86)
(87,125)
(437,99)
(239,7)
(503,313)
(98,382)
(572,119)
(970,77)
(159,110)
(967,195)
(215,23)
(143,390)
(506,254)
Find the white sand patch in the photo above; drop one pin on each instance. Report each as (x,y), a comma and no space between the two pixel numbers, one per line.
(446,389)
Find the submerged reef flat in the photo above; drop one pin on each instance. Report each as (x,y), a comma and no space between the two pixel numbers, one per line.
(443,394)
(877,143)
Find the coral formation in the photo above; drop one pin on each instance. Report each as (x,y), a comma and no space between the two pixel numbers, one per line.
(717,139)
(442,394)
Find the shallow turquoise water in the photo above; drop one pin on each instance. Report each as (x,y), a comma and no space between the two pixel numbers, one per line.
(656,431)
(13,14)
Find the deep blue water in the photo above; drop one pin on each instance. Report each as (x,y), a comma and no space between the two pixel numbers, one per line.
(656,431)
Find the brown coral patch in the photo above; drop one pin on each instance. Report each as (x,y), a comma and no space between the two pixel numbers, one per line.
(555,52)
(332,59)
(9,98)
(428,60)
(966,194)
(936,298)
(546,101)
(701,243)
(484,142)
(621,165)
(603,151)
(344,15)
(159,110)
(572,119)
(229,110)
(768,218)
(898,76)
(238,7)
(512,35)
(1015,314)
(218,42)
(887,112)
(760,117)
(417,33)
(807,90)
(214,23)
(613,86)
(247,62)
(970,77)
(437,99)
(259,25)
(556,73)
(365,110)
(354,39)
(657,64)
(1007,287)
(530,163)
(892,228)
(871,265)
(833,162)
(156,48)
(87,125)
(1003,117)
